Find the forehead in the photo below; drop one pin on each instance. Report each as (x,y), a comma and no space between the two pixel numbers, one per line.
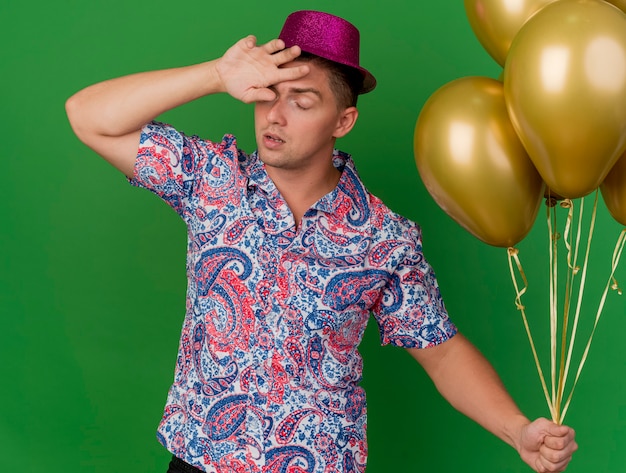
(317,78)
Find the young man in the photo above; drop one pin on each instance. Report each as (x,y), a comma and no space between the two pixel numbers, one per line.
(288,255)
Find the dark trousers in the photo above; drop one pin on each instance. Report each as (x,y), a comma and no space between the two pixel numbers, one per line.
(179,466)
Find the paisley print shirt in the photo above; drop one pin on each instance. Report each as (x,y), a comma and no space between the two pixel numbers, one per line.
(267,375)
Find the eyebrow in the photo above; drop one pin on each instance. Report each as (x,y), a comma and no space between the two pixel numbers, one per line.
(297,90)
(301,90)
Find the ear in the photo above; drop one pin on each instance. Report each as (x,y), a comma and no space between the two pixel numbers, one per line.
(346,122)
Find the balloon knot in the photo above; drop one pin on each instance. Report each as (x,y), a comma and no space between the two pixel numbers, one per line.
(615,287)
(512,251)
(551,202)
(566,203)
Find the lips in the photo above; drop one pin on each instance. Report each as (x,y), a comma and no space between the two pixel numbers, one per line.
(272,141)
(274,138)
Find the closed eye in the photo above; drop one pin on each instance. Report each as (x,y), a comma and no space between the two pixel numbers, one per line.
(302,105)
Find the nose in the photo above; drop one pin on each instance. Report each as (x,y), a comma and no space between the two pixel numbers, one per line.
(275,112)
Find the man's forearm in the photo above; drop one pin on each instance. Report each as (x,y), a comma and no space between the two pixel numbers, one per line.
(123,105)
(468,381)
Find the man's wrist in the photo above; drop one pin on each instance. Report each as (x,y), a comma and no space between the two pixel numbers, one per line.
(513,431)
(211,79)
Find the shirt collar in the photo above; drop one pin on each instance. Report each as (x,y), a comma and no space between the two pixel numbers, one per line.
(254,169)
(349,182)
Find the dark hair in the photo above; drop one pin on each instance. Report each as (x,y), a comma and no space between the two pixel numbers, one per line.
(345,82)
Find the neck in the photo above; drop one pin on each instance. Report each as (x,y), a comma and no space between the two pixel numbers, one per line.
(301,188)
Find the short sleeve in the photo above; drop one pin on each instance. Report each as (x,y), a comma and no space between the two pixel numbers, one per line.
(178,167)
(411,312)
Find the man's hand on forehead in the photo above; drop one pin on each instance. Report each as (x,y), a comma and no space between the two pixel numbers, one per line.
(247,70)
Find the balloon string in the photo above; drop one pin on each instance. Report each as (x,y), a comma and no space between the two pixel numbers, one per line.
(567,337)
(513,255)
(612,284)
(572,270)
(553,237)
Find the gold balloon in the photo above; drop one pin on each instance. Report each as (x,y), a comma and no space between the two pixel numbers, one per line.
(565,89)
(621,4)
(496,22)
(614,190)
(473,164)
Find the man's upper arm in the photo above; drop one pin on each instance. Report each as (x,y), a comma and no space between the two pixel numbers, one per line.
(120,151)
(432,358)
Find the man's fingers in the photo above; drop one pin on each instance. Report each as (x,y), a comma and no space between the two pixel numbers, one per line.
(286,55)
(292,73)
(250,41)
(557,449)
(280,54)
(557,443)
(555,436)
(559,430)
(276,50)
(543,465)
(274,46)
(258,95)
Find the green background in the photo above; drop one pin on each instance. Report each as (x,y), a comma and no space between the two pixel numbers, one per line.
(92,276)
